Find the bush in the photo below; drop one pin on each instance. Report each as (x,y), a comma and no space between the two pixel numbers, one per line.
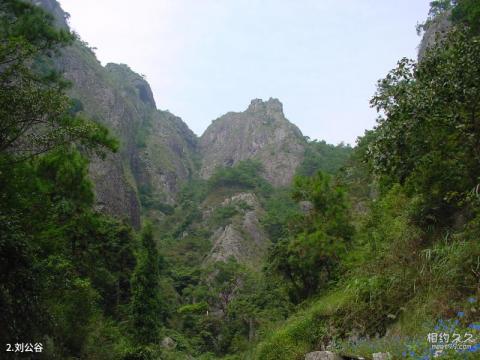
(245,174)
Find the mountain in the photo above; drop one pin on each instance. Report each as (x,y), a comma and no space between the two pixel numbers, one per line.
(157,148)
(159,153)
(261,132)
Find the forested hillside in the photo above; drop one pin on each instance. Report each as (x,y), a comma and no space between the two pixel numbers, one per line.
(124,236)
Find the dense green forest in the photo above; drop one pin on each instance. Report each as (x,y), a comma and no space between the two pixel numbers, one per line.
(371,248)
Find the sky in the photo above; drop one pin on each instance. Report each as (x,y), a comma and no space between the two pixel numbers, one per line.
(204,58)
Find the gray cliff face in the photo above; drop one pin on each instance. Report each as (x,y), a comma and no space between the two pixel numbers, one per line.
(157,149)
(164,148)
(54,8)
(261,132)
(434,33)
(243,238)
(115,195)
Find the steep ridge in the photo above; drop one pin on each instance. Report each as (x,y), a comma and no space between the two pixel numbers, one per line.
(157,148)
(261,132)
(164,146)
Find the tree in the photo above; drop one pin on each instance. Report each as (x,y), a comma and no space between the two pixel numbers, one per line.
(467,12)
(320,156)
(309,257)
(146,306)
(245,174)
(34,109)
(428,137)
(51,239)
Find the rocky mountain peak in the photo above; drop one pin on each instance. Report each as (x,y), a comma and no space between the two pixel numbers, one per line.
(271,106)
(261,133)
(159,152)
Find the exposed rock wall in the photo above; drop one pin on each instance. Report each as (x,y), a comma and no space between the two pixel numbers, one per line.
(157,148)
(163,148)
(115,193)
(261,132)
(243,238)
(54,8)
(435,32)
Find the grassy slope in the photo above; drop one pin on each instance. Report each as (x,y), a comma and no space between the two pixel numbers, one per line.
(399,290)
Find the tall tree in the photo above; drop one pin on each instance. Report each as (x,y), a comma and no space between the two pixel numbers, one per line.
(309,256)
(428,137)
(146,303)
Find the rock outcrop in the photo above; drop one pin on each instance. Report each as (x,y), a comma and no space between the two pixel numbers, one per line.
(261,132)
(243,238)
(156,147)
(322,355)
(168,343)
(54,8)
(381,356)
(162,156)
(436,30)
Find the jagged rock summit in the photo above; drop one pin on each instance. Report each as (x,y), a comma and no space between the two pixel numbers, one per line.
(261,132)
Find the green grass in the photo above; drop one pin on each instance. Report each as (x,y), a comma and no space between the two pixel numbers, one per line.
(398,285)
(303,331)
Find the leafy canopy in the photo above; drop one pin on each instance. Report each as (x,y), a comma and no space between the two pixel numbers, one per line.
(428,134)
(34,110)
(308,257)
